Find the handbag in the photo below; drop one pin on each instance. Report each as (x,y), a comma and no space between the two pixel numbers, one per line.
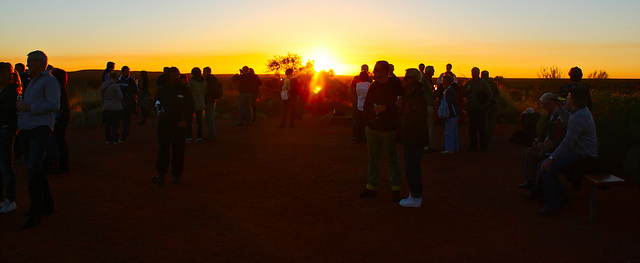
(284,95)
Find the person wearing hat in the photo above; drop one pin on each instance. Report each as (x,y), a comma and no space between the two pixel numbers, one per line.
(413,133)
(579,141)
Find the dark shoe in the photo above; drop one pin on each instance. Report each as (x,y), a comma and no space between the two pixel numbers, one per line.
(547,212)
(177,180)
(533,197)
(395,196)
(526,185)
(30,222)
(159,180)
(368,193)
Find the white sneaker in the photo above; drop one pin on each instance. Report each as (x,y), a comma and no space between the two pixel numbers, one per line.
(411,201)
(8,207)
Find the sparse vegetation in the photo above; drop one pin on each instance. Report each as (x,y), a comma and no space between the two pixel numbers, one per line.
(552,72)
(598,74)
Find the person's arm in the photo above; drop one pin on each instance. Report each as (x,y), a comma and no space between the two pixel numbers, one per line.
(574,129)
(287,84)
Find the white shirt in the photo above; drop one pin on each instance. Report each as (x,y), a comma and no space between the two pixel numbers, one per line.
(361,91)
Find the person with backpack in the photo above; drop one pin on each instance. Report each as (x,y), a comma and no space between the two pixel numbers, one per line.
(214,92)
(479,96)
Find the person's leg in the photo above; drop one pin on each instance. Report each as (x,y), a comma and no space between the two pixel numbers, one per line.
(164,148)
(115,115)
(254,104)
(551,184)
(374,145)
(391,150)
(431,122)
(413,169)
(209,111)
(473,129)
(199,123)
(126,122)
(531,164)
(449,143)
(482,129)
(456,135)
(177,151)
(107,126)
(292,110)
(285,113)
(359,128)
(247,108)
(39,192)
(7,175)
(492,117)
(240,109)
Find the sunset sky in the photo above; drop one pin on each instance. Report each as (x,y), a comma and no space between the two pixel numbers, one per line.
(509,38)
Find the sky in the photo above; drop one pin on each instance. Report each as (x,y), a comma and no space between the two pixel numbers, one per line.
(513,39)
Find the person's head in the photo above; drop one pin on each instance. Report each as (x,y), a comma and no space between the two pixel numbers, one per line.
(165,70)
(5,73)
(61,76)
(37,62)
(196,72)
(421,67)
(575,74)
(251,71)
(577,98)
(125,72)
(429,71)
(411,76)
(475,73)
(447,80)
(391,69)
(289,72)
(184,79)
(20,67)
(364,76)
(245,69)
(381,70)
(364,68)
(143,75)
(173,75)
(206,71)
(547,101)
(449,67)
(110,66)
(484,74)
(113,76)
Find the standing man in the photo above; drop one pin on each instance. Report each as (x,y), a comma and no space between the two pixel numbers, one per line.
(448,72)
(380,114)
(24,76)
(427,87)
(479,96)
(255,89)
(244,96)
(175,109)
(580,141)
(129,90)
(214,91)
(37,113)
(492,111)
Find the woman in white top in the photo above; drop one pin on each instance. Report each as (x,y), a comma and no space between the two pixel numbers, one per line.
(361,91)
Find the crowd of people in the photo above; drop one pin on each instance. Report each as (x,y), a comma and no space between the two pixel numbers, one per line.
(389,112)
(386,110)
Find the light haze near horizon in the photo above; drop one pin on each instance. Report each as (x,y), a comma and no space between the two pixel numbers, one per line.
(508,38)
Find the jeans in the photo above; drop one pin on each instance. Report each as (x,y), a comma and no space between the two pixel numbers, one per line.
(431,122)
(57,154)
(33,143)
(244,104)
(492,117)
(209,112)
(551,185)
(171,146)
(478,128)
(413,168)
(189,130)
(376,140)
(126,121)
(8,176)
(112,120)
(451,138)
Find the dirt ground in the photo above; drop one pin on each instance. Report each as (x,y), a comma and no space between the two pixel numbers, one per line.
(263,194)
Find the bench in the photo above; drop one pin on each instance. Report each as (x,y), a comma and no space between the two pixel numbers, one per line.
(597,181)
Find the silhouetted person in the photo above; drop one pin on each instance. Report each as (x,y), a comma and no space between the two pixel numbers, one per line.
(380,114)
(353,94)
(214,92)
(129,89)
(479,97)
(37,113)
(427,86)
(413,134)
(162,79)
(462,114)
(175,108)
(255,89)
(9,90)
(144,96)
(244,81)
(450,73)
(575,75)
(289,101)
(451,135)
(198,87)
(111,107)
(105,73)
(24,75)
(59,150)
(492,110)
(361,90)
(580,141)
(395,79)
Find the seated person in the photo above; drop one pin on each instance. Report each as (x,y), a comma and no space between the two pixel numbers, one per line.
(580,141)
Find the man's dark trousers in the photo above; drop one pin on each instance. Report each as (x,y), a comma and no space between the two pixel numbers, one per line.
(171,140)
(33,144)
(478,128)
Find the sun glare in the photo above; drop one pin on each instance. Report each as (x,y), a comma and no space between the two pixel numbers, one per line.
(324,60)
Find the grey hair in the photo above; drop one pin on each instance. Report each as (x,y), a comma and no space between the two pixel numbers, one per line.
(39,55)
(546,97)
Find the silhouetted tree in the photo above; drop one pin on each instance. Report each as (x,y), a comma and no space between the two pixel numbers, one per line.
(552,72)
(598,74)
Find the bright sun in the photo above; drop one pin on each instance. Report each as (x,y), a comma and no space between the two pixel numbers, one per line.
(323,60)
